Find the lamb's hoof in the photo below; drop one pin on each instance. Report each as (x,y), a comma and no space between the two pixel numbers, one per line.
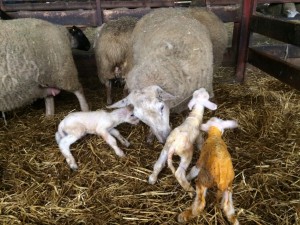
(74,167)
(181,218)
(127,144)
(152,179)
(121,154)
(192,193)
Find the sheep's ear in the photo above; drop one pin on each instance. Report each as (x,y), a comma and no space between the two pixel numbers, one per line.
(120,104)
(161,94)
(229,124)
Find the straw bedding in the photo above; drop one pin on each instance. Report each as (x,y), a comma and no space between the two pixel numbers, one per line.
(37,187)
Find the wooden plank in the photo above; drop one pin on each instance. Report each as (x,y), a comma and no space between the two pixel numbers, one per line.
(280,69)
(281,51)
(229,13)
(286,31)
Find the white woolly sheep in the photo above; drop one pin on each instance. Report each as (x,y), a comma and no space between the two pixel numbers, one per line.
(172,58)
(78,124)
(181,140)
(112,50)
(35,62)
(214,168)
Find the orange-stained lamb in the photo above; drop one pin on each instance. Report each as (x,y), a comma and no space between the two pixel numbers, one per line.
(214,168)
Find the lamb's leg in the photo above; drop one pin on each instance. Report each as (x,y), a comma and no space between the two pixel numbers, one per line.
(197,206)
(193,173)
(64,146)
(111,141)
(49,105)
(82,101)
(158,166)
(117,135)
(108,92)
(180,173)
(227,206)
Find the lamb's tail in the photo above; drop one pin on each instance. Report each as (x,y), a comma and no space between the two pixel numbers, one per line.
(170,161)
(60,134)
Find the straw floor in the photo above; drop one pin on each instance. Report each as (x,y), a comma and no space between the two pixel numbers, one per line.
(37,186)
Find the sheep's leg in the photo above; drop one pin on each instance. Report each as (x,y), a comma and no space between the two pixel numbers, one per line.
(227,206)
(193,173)
(82,101)
(64,146)
(117,135)
(111,141)
(158,166)
(108,92)
(197,206)
(49,105)
(180,173)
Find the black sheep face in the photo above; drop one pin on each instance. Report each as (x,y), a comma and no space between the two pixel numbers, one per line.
(83,42)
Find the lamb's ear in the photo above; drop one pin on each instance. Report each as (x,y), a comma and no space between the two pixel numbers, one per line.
(205,127)
(229,124)
(122,103)
(210,105)
(163,95)
(191,103)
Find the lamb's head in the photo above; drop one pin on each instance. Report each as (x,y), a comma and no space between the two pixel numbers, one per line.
(128,116)
(219,123)
(150,106)
(200,99)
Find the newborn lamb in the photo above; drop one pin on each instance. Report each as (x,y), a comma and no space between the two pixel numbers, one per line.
(78,124)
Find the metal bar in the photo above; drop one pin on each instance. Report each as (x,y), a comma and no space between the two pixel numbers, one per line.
(83,5)
(276,1)
(285,31)
(244,35)
(221,2)
(278,68)
(76,17)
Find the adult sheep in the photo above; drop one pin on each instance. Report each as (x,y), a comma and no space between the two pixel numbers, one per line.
(172,58)
(35,62)
(112,50)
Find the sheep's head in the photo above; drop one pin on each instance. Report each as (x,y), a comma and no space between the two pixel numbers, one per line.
(200,99)
(78,39)
(219,123)
(150,107)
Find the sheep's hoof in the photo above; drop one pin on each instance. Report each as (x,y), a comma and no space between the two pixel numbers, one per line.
(152,179)
(181,218)
(127,144)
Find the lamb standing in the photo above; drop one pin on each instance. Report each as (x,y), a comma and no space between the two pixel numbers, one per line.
(36,62)
(181,140)
(172,58)
(112,50)
(78,124)
(215,169)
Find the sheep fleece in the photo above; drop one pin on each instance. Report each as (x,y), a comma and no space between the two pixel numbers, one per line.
(33,54)
(174,52)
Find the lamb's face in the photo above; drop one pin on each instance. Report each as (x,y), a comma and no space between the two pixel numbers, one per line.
(150,107)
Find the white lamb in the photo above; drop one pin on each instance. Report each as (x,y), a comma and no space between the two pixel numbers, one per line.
(181,140)
(78,124)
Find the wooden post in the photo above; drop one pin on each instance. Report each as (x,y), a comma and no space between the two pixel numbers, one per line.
(99,18)
(247,10)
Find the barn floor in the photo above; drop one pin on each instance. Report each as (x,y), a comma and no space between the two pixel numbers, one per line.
(37,187)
